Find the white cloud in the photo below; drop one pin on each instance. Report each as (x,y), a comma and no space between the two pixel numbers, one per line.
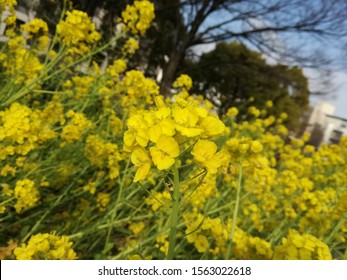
(203,48)
(337,94)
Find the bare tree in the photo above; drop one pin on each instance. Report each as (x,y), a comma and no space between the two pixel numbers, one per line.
(277,28)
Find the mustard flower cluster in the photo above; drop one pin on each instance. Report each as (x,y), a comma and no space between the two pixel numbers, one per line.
(116,68)
(21,64)
(183,82)
(77,32)
(101,153)
(249,247)
(79,86)
(158,199)
(26,195)
(211,235)
(130,47)
(8,5)
(198,196)
(302,247)
(135,87)
(23,129)
(74,129)
(207,234)
(138,17)
(136,228)
(45,246)
(162,130)
(102,200)
(35,26)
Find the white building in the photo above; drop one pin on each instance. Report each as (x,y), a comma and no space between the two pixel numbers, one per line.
(336,127)
(323,123)
(318,115)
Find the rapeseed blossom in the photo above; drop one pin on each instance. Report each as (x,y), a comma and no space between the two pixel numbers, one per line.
(75,127)
(138,16)
(204,152)
(165,152)
(26,194)
(141,159)
(302,247)
(164,128)
(46,247)
(77,32)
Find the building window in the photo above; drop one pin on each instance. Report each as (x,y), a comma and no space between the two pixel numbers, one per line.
(335,136)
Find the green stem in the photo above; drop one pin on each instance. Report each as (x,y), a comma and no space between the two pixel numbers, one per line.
(174,213)
(55,203)
(236,209)
(335,230)
(115,208)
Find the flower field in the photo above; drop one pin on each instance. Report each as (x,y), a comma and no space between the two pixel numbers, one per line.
(95,164)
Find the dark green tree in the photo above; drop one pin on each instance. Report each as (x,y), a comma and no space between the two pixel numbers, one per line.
(231,74)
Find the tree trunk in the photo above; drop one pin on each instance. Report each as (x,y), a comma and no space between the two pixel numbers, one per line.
(170,71)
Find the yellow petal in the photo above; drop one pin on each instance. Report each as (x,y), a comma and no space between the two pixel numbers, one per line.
(188,131)
(140,156)
(163,113)
(129,138)
(161,160)
(142,137)
(142,172)
(168,145)
(204,150)
(212,165)
(167,127)
(154,133)
(212,126)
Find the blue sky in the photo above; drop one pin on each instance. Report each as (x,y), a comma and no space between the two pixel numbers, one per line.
(307,45)
(340,102)
(338,94)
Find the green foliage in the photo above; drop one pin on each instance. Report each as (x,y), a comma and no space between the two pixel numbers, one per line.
(231,74)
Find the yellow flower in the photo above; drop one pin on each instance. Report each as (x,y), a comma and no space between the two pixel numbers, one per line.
(46,247)
(204,152)
(183,81)
(256,147)
(283,116)
(75,128)
(7,169)
(77,32)
(302,247)
(162,243)
(130,46)
(233,112)
(269,104)
(186,121)
(34,26)
(139,16)
(164,153)
(253,111)
(157,200)
(102,200)
(201,243)
(212,126)
(118,66)
(27,195)
(136,228)
(142,161)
